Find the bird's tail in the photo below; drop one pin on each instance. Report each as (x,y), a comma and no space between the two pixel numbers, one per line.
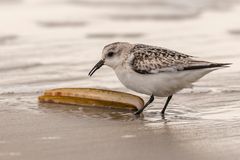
(220,64)
(208,65)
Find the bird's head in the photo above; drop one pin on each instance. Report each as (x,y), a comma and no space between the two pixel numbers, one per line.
(113,55)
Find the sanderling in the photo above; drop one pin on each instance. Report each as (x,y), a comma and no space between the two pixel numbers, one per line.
(153,71)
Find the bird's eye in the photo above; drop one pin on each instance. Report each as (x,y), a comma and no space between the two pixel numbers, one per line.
(110,54)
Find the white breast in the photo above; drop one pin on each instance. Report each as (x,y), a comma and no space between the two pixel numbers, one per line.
(162,84)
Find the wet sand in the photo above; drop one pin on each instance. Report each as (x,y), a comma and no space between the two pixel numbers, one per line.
(47,44)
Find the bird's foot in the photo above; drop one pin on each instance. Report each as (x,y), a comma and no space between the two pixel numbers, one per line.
(138,112)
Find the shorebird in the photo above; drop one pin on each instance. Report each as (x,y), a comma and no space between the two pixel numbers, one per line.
(154,71)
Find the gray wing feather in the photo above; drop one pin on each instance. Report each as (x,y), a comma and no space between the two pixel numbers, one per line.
(149,60)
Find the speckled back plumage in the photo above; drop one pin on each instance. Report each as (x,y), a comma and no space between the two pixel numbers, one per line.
(150,59)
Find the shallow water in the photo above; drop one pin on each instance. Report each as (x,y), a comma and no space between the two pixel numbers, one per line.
(46,44)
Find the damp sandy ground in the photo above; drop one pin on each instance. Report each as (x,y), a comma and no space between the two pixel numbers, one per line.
(53,43)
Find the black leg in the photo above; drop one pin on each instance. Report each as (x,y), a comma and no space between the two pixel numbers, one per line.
(166,104)
(148,102)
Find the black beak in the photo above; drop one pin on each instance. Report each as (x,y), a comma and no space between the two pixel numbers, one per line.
(96,67)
